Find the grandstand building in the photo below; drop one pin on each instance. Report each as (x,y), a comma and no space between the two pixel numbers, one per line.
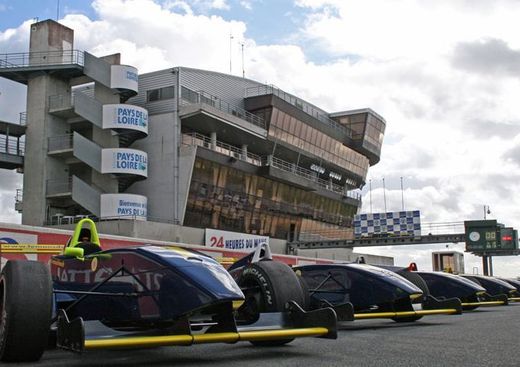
(176,151)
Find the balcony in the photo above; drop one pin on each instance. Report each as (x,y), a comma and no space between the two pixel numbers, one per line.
(61,144)
(308,108)
(205,113)
(59,188)
(196,139)
(274,167)
(19,66)
(11,152)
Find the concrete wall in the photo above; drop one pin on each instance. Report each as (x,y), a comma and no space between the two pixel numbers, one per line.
(38,166)
(196,236)
(161,148)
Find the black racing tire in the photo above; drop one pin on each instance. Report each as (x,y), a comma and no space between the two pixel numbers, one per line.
(306,294)
(268,286)
(25,309)
(416,280)
(406,319)
(469,308)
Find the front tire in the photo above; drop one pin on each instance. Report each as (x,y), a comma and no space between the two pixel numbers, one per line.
(25,310)
(268,286)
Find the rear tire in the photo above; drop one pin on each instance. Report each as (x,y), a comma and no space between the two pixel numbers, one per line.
(25,310)
(406,319)
(419,282)
(306,305)
(268,286)
(416,280)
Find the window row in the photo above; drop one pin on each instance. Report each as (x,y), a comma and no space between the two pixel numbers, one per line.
(292,131)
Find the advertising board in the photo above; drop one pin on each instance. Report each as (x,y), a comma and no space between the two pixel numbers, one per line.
(233,240)
(124,116)
(124,206)
(125,161)
(124,77)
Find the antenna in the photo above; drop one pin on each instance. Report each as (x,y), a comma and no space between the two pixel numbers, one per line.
(384,193)
(402,194)
(230,39)
(243,70)
(370,192)
(58,10)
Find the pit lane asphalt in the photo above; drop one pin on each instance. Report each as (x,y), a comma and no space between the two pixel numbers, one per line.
(485,337)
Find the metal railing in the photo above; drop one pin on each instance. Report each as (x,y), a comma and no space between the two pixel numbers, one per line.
(19,195)
(64,218)
(60,142)
(299,103)
(43,58)
(206,197)
(57,187)
(12,146)
(221,147)
(235,152)
(23,118)
(311,176)
(201,97)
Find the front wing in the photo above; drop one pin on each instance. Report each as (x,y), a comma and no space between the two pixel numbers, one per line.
(78,335)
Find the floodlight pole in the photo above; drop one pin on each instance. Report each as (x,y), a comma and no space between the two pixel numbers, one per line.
(487,260)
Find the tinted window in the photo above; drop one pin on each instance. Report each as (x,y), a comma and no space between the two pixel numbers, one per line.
(160,94)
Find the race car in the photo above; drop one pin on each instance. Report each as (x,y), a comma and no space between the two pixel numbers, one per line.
(515,283)
(441,285)
(143,296)
(494,286)
(361,291)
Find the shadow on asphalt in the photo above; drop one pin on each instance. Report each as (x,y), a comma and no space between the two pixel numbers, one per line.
(360,325)
(171,356)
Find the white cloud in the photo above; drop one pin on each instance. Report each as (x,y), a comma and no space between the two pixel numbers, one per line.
(452,126)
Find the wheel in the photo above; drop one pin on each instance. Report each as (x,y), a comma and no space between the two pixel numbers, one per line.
(268,286)
(406,319)
(25,309)
(306,295)
(416,280)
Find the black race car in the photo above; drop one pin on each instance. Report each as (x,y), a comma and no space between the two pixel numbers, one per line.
(515,283)
(361,291)
(441,285)
(494,286)
(146,296)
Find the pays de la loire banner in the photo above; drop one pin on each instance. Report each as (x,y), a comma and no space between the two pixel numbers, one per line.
(233,240)
(125,116)
(124,160)
(124,77)
(124,206)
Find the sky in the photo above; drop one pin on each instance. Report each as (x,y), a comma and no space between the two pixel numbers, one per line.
(444,74)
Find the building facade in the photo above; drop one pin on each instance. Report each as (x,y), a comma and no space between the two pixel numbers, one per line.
(184,147)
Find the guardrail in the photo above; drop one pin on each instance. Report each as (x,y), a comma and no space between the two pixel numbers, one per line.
(310,175)
(12,146)
(221,147)
(196,97)
(19,196)
(299,103)
(43,58)
(64,219)
(23,118)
